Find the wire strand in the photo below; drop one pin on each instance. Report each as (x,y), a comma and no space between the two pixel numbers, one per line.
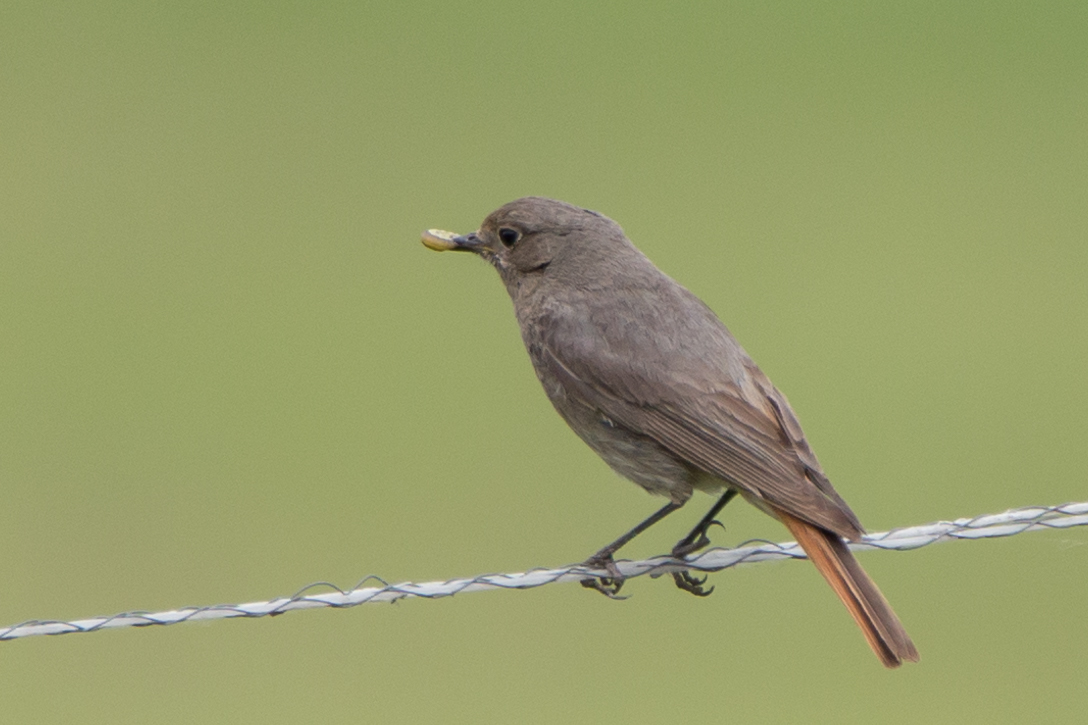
(1009,523)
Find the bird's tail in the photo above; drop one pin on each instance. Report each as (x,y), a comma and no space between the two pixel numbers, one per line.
(882,629)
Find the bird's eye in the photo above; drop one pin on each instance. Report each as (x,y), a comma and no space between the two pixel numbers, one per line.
(508,236)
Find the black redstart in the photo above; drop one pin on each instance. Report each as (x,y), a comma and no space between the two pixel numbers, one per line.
(651,380)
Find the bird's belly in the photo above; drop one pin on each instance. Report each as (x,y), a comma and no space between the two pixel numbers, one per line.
(634,456)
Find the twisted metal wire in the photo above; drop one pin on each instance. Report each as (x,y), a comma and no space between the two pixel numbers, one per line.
(1009,523)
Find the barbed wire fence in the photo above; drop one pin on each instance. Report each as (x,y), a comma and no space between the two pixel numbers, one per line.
(1009,523)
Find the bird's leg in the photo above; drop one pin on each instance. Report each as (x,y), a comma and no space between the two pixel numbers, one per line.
(696,540)
(610,585)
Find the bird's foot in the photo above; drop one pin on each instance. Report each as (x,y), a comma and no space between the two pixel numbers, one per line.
(606,585)
(693,542)
(684,580)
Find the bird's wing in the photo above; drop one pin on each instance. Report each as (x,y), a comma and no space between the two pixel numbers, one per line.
(741,430)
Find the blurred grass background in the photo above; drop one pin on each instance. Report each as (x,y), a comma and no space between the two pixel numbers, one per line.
(230,369)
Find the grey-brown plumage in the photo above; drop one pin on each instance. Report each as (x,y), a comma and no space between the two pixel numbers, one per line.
(651,380)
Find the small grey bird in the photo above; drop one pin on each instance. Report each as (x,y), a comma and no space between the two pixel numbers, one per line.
(651,380)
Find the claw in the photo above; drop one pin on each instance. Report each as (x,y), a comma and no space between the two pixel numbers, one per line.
(684,580)
(695,541)
(607,585)
(686,547)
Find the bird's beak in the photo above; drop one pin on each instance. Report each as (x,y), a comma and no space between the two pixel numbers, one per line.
(442,241)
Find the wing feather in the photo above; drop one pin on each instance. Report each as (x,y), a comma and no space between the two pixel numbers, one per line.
(740,431)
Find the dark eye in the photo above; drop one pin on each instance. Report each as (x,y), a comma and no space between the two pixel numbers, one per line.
(508,236)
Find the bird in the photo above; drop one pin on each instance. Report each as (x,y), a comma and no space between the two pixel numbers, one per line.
(649,377)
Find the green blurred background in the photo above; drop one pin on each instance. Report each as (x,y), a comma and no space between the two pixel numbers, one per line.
(229,368)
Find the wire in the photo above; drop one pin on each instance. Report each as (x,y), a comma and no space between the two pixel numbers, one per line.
(1009,523)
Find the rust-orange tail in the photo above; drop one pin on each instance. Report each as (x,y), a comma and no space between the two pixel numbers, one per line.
(882,629)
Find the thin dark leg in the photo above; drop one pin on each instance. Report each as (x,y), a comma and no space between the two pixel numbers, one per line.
(607,552)
(610,586)
(696,540)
